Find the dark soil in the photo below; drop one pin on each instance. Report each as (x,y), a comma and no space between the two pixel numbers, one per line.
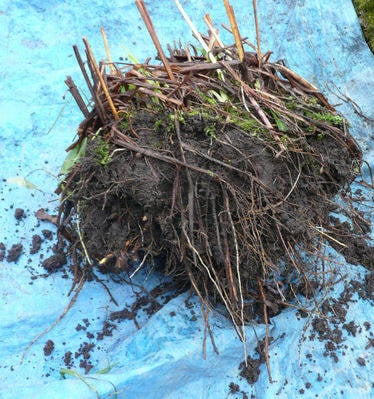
(2,251)
(84,327)
(251,370)
(68,360)
(141,215)
(48,347)
(234,388)
(107,331)
(19,213)
(331,329)
(84,355)
(55,262)
(330,326)
(14,253)
(147,302)
(48,234)
(36,244)
(351,328)
(361,361)
(357,250)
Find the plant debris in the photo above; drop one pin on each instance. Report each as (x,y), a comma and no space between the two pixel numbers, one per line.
(221,165)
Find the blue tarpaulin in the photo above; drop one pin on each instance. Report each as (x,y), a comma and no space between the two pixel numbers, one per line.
(320,40)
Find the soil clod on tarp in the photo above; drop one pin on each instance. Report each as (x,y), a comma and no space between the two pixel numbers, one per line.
(226,168)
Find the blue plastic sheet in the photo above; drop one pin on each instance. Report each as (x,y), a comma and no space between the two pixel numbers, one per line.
(321,41)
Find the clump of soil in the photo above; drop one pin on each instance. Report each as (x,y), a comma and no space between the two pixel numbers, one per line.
(47,234)
(2,251)
(48,347)
(226,171)
(14,252)
(250,370)
(68,360)
(54,262)
(84,354)
(19,213)
(36,244)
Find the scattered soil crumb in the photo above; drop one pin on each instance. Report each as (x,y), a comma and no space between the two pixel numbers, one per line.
(122,315)
(68,359)
(19,213)
(370,344)
(84,351)
(48,347)
(86,365)
(79,327)
(361,361)
(48,234)
(351,328)
(251,371)
(14,253)
(86,322)
(41,214)
(54,262)
(369,284)
(107,331)
(365,290)
(234,388)
(36,244)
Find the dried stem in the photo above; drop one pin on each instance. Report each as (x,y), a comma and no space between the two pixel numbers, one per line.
(195,31)
(258,39)
(235,30)
(77,97)
(100,77)
(148,23)
(107,51)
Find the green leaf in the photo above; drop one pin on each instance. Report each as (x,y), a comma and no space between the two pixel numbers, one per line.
(22,182)
(130,56)
(106,369)
(73,157)
(282,127)
(221,96)
(74,373)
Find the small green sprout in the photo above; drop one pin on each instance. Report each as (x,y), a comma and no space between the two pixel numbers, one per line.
(102,152)
(210,131)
